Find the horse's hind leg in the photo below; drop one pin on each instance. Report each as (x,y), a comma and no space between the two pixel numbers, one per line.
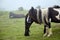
(50,30)
(28,22)
(47,28)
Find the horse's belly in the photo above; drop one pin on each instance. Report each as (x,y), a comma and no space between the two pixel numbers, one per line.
(55,20)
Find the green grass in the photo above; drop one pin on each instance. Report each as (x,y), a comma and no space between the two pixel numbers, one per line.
(13,29)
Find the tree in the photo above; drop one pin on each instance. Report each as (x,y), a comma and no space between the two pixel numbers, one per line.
(20,8)
(38,7)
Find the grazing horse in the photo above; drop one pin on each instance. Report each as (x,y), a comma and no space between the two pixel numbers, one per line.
(45,16)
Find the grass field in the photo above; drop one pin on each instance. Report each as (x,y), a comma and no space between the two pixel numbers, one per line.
(13,29)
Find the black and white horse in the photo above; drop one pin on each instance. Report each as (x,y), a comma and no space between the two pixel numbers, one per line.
(45,16)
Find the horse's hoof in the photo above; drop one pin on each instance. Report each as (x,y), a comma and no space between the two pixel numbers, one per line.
(27,35)
(45,35)
(49,35)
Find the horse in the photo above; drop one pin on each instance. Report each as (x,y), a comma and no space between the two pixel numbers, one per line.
(45,16)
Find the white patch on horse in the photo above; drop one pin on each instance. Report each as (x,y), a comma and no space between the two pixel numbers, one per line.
(47,30)
(44,13)
(58,16)
(50,32)
(38,15)
(50,20)
(27,18)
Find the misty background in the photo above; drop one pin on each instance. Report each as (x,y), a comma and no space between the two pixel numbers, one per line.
(10,5)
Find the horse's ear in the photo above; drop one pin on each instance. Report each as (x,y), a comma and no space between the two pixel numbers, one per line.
(32,8)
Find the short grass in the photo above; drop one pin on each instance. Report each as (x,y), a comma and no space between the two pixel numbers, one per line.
(13,29)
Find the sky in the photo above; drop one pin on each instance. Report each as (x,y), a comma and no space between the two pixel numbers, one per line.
(26,4)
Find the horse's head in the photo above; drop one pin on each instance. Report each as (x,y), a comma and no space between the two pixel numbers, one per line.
(35,14)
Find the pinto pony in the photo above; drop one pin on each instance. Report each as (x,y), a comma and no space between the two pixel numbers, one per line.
(45,16)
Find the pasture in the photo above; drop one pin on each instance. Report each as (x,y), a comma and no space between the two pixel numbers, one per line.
(13,29)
